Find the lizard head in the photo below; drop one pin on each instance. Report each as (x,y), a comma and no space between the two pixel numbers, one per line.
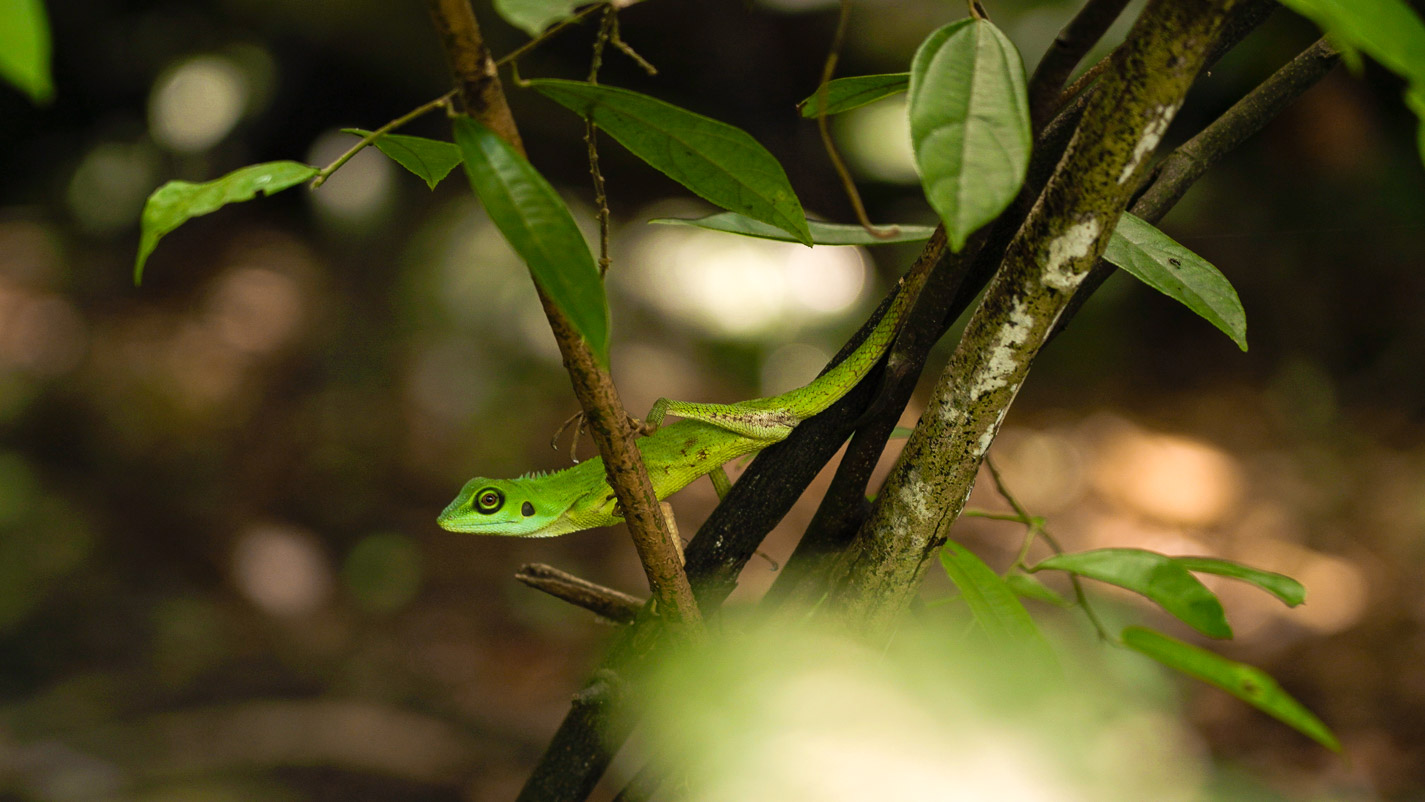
(508,507)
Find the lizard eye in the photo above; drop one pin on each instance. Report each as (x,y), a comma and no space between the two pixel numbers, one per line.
(489,500)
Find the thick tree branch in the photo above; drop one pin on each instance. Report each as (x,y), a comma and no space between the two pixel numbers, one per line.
(1053,251)
(484,98)
(1181,168)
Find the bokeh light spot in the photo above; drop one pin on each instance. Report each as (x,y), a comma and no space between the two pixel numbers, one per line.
(876,140)
(282,570)
(739,287)
(196,103)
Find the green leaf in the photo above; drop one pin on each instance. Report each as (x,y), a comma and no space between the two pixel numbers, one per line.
(1155,259)
(430,159)
(845,94)
(177,202)
(821,233)
(25,48)
(718,162)
(1282,586)
(1028,587)
(902,432)
(537,224)
(991,601)
(534,16)
(969,124)
(1153,575)
(1248,683)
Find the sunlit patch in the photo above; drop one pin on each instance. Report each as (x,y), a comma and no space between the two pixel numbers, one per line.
(1336,591)
(1045,469)
(361,189)
(107,190)
(43,334)
(739,287)
(282,570)
(254,309)
(787,716)
(196,103)
(876,141)
(1168,478)
(481,284)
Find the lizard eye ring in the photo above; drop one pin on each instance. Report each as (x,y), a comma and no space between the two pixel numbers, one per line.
(489,500)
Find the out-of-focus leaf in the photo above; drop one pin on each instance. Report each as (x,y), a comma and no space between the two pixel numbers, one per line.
(25,48)
(430,159)
(718,162)
(534,16)
(537,224)
(1386,30)
(845,94)
(1028,587)
(1282,586)
(1155,259)
(992,603)
(969,124)
(1248,683)
(1156,576)
(177,202)
(821,233)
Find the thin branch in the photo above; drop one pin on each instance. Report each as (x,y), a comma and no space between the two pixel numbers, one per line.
(1068,48)
(484,99)
(441,102)
(515,54)
(614,605)
(607,27)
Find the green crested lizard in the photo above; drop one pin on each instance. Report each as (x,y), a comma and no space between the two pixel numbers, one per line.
(708,437)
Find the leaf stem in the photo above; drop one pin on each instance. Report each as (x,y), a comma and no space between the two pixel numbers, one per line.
(424,108)
(828,69)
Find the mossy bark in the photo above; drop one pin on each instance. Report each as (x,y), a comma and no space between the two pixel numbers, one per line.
(1059,242)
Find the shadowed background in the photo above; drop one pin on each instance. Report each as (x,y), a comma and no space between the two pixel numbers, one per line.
(220,576)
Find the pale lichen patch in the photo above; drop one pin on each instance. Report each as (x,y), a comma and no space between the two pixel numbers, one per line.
(1004,351)
(1064,249)
(1148,142)
(914,496)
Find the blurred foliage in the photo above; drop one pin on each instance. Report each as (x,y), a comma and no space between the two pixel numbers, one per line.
(220,576)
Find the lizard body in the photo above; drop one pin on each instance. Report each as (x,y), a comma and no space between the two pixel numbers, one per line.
(709,436)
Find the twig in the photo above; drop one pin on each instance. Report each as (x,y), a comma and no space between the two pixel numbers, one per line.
(607,27)
(484,99)
(1036,526)
(515,54)
(1072,43)
(1083,81)
(325,172)
(614,605)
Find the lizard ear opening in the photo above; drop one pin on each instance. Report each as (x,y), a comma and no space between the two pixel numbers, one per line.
(527,508)
(488,501)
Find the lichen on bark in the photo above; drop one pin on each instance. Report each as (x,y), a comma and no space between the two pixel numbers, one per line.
(1059,242)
